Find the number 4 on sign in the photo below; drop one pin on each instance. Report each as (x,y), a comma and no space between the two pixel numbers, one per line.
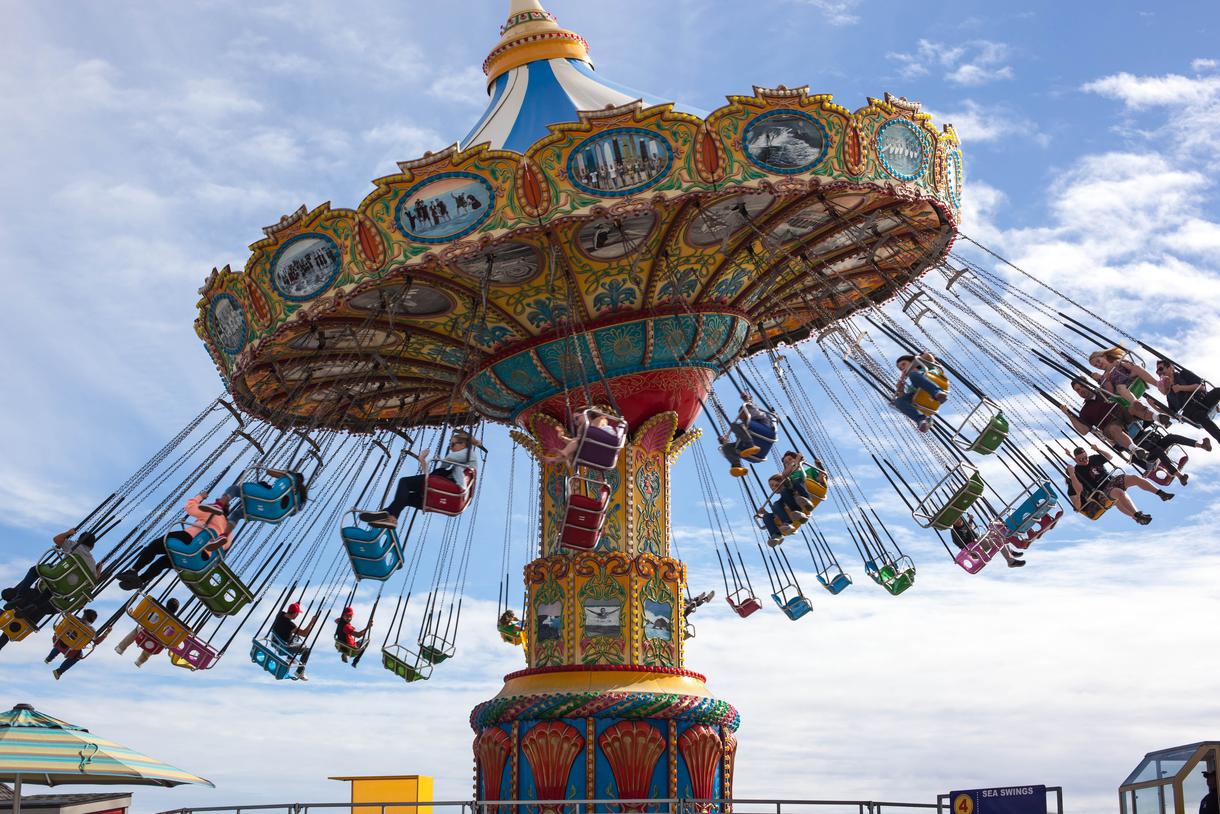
(963,804)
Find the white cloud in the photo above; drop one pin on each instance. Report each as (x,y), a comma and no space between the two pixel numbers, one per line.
(1202,65)
(975,123)
(836,12)
(1171,90)
(466,87)
(970,64)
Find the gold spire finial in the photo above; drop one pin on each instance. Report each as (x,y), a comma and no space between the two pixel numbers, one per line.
(531,34)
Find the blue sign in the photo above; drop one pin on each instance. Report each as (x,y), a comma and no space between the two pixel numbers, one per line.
(1009,800)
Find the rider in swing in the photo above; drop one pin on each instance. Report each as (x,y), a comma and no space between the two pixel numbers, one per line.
(747,445)
(460,459)
(912,378)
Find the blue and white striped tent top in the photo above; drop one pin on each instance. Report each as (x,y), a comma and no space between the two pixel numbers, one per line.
(526,99)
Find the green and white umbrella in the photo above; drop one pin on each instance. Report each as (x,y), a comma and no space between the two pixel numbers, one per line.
(36,748)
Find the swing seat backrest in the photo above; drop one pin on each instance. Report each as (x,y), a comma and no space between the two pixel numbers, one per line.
(66,575)
(269,504)
(834,580)
(72,634)
(900,582)
(220,590)
(585,514)
(349,650)
(14,626)
(194,653)
(434,649)
(793,608)
(970,561)
(959,502)
(1096,505)
(158,623)
(817,490)
(443,496)
(763,436)
(1031,510)
(270,654)
(375,553)
(511,634)
(599,447)
(922,400)
(406,665)
(991,437)
(1159,474)
(1045,523)
(73,602)
(147,643)
(187,553)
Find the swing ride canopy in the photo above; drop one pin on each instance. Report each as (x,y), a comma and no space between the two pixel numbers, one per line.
(582,236)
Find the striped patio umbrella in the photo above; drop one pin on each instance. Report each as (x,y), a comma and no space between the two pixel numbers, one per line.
(36,748)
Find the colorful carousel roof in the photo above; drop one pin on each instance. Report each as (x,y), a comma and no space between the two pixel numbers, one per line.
(581,232)
(540,74)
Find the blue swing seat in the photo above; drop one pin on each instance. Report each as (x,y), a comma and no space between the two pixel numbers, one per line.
(834,580)
(269,504)
(794,608)
(1039,503)
(188,556)
(273,656)
(375,553)
(763,435)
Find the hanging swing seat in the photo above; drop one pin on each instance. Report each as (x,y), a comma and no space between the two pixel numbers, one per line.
(444,496)
(351,652)
(951,498)
(434,649)
(585,513)
(15,627)
(894,576)
(408,666)
(375,553)
(148,644)
(743,602)
(193,654)
(1096,505)
(834,579)
(188,553)
(161,625)
(1040,502)
(983,429)
(762,435)
(975,556)
(1047,522)
(1138,388)
(922,400)
(65,575)
(599,447)
(274,657)
(270,503)
(793,608)
(1160,474)
(220,590)
(512,633)
(73,635)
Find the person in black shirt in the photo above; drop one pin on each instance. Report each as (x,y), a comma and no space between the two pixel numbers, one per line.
(1208,804)
(1090,481)
(1187,395)
(1152,444)
(292,638)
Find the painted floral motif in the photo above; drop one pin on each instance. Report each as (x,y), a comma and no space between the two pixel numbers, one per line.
(620,345)
(729,286)
(545,313)
(648,532)
(614,295)
(681,285)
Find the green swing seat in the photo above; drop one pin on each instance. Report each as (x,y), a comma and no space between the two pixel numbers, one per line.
(219,589)
(970,490)
(991,436)
(70,580)
(405,664)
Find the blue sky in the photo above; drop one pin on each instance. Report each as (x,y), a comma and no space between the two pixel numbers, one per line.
(146,143)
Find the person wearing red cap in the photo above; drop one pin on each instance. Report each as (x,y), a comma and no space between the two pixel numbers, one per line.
(292,638)
(350,638)
(154,559)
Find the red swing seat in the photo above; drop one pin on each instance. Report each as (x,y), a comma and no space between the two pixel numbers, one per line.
(585,514)
(443,496)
